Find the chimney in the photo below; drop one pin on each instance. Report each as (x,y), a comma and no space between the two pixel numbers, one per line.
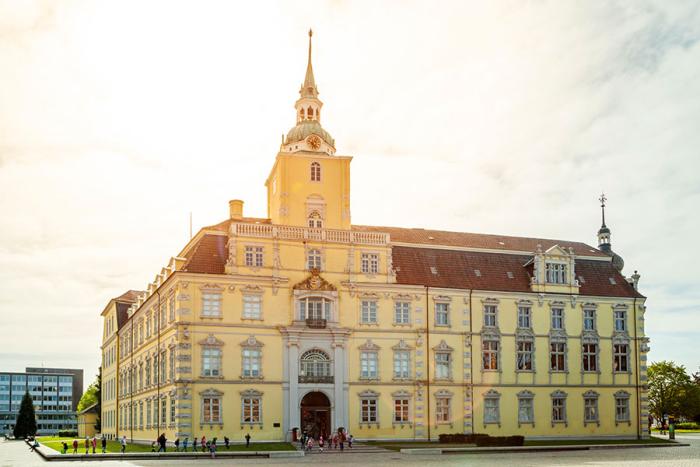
(235,207)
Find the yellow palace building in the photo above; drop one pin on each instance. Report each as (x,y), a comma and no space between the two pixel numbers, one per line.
(304,321)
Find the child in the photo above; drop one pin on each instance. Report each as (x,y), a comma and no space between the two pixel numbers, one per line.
(153,446)
(320,443)
(310,444)
(75,446)
(65,448)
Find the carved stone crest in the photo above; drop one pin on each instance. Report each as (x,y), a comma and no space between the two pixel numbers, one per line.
(315,282)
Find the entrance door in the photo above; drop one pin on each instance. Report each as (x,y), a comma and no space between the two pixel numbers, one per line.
(316,414)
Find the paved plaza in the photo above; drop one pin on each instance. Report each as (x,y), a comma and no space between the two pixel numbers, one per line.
(17,454)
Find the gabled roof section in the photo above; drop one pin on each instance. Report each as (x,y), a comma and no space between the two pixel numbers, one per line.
(476,240)
(208,256)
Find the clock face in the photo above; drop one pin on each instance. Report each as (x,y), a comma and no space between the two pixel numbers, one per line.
(314,141)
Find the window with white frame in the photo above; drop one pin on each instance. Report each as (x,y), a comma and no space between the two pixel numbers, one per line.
(315,220)
(524,355)
(492,407)
(211,409)
(172,364)
(140,414)
(164,411)
(369,263)
(315,363)
(590,357)
(313,259)
(557,356)
(368,310)
(402,364)
(489,354)
(251,362)
(557,318)
(171,307)
(163,366)
(315,172)
(620,358)
(252,306)
(211,304)
(490,315)
(172,410)
(148,413)
(588,319)
(402,312)
(155,412)
(148,325)
(368,364)
(442,409)
(622,406)
(315,308)
(590,407)
(442,314)
(555,273)
(254,256)
(524,317)
(368,410)
(211,361)
(558,407)
(148,372)
(401,407)
(443,365)
(526,413)
(251,404)
(620,320)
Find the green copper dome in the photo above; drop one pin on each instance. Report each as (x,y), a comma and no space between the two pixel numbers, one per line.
(306,128)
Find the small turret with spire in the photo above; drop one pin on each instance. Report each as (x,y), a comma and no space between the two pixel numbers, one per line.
(309,106)
(604,244)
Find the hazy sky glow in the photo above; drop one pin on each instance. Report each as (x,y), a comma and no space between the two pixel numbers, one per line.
(118,119)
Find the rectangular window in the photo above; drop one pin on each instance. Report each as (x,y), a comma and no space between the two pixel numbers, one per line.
(590,409)
(555,273)
(490,315)
(589,320)
(442,314)
(163,411)
(172,410)
(442,365)
(369,263)
(148,372)
(557,356)
(251,363)
(252,306)
(211,361)
(402,363)
(140,414)
(442,409)
(211,304)
(254,256)
(620,357)
(402,312)
(620,320)
(490,355)
(163,316)
(524,315)
(557,318)
(524,356)
(211,410)
(525,412)
(171,307)
(558,409)
(491,410)
(163,367)
(368,410)
(172,364)
(401,410)
(369,312)
(622,409)
(368,365)
(155,412)
(251,410)
(590,357)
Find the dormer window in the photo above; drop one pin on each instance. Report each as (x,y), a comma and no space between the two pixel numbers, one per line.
(555,273)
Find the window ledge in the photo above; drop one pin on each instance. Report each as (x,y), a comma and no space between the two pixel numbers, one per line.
(401,324)
(201,424)
(443,325)
(375,324)
(368,424)
(402,424)
(252,378)
(211,377)
(525,371)
(406,378)
(448,378)
(369,378)
(219,317)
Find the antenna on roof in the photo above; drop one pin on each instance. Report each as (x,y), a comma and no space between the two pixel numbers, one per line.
(190,225)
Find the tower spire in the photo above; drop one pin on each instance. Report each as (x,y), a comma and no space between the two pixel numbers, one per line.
(308,89)
(602,200)
(604,231)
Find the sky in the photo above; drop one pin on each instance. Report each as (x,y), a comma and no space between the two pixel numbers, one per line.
(118,119)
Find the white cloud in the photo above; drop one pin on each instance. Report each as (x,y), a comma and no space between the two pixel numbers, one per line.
(118,119)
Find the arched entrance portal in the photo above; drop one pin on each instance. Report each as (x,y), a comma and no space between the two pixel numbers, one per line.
(316,414)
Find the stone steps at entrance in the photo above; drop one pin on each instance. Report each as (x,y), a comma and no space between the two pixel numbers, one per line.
(356,448)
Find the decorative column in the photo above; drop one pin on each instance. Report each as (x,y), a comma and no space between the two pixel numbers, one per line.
(293,398)
(340,403)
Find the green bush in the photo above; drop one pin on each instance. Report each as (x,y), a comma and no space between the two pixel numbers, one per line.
(67,434)
(481,439)
(687,426)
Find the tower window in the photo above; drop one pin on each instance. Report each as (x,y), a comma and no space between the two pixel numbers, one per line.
(315,172)
(315,221)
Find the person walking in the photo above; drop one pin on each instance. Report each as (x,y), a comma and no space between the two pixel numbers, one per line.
(226,442)
(320,443)
(177,444)
(247,440)
(203,443)
(310,444)
(194,444)
(123,443)
(104,444)
(341,440)
(75,446)
(153,446)
(212,448)
(87,445)
(350,438)
(184,443)
(94,444)
(65,448)
(162,440)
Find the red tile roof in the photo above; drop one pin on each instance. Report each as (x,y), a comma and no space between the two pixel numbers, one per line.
(208,255)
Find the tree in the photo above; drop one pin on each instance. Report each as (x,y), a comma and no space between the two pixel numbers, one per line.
(89,398)
(26,420)
(671,391)
(98,396)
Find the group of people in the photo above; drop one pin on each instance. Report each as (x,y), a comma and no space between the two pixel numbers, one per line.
(89,443)
(337,441)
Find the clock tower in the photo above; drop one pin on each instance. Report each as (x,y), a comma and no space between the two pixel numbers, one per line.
(309,185)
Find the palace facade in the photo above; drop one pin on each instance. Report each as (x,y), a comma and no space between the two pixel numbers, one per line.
(304,321)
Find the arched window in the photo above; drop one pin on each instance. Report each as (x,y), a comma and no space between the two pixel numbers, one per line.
(315,221)
(315,172)
(315,363)
(313,259)
(314,308)
(310,113)
(301,114)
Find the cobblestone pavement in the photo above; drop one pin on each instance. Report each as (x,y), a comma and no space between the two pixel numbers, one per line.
(16,454)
